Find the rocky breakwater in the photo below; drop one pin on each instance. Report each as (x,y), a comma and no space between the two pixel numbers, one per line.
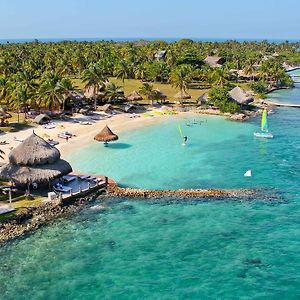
(180,194)
(31,218)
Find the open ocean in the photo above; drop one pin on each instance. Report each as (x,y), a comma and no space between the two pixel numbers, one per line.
(131,39)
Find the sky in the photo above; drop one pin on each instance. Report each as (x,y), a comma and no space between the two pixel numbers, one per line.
(260,19)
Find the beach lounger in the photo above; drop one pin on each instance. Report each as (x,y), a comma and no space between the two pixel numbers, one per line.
(85,123)
(52,142)
(50,126)
(62,188)
(84,177)
(69,178)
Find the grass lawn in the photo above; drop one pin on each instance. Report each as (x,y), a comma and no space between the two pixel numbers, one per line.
(134,84)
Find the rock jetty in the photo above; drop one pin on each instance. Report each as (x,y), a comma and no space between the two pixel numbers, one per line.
(115,191)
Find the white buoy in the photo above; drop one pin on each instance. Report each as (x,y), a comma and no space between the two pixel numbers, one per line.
(248,173)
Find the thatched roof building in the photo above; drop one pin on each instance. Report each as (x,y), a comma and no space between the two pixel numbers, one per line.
(182,95)
(106,135)
(42,118)
(134,96)
(107,108)
(214,61)
(160,55)
(4,115)
(34,161)
(241,96)
(159,94)
(203,99)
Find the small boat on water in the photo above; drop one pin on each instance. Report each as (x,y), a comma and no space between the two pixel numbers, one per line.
(264,130)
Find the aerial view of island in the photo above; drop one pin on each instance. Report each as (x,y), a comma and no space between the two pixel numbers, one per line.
(149,150)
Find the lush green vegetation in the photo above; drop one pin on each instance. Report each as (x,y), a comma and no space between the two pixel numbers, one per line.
(219,97)
(42,75)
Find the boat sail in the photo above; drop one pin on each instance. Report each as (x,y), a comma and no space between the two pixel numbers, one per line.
(264,129)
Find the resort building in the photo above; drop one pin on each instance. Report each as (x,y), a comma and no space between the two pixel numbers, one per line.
(214,61)
(34,162)
(160,55)
(241,96)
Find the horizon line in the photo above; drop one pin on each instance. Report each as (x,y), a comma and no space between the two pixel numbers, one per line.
(153,38)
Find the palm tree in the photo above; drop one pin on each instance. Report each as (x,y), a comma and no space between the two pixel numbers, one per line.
(93,77)
(181,77)
(218,77)
(50,93)
(66,87)
(249,68)
(113,92)
(122,72)
(19,99)
(147,90)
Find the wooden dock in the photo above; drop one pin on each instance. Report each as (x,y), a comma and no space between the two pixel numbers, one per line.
(282,104)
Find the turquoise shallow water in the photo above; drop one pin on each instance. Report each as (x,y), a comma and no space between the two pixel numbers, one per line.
(175,250)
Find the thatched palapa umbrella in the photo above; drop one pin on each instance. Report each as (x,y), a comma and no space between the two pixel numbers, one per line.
(34,161)
(134,96)
(106,135)
(182,95)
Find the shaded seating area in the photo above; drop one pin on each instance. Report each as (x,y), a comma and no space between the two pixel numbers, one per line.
(106,135)
(74,184)
(41,119)
(34,162)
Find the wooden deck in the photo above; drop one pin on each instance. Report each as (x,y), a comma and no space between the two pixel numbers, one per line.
(83,188)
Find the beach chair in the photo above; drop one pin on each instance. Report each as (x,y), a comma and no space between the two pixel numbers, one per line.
(84,177)
(62,188)
(69,178)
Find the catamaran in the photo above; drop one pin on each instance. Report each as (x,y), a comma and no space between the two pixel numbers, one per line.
(264,130)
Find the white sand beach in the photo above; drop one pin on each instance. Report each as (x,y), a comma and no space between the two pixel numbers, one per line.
(84,134)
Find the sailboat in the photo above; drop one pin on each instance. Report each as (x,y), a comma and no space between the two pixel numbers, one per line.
(264,130)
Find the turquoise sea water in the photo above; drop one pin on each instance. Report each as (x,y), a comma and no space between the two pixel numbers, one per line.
(176,249)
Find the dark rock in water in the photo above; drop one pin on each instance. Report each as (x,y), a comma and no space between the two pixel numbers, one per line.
(253,261)
(129,208)
(111,244)
(242,274)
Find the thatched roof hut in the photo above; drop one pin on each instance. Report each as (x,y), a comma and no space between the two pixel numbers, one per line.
(214,61)
(240,96)
(134,96)
(160,55)
(182,95)
(42,118)
(34,161)
(107,108)
(89,92)
(203,99)
(159,94)
(4,115)
(106,135)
